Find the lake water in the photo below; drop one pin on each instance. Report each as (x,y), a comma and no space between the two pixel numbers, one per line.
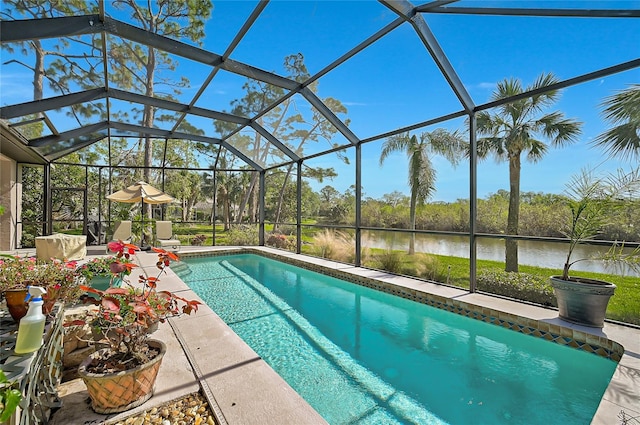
(531,253)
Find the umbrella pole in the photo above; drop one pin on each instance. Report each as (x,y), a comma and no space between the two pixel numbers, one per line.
(142,241)
(143,245)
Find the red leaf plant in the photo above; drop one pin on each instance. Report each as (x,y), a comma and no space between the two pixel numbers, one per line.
(125,315)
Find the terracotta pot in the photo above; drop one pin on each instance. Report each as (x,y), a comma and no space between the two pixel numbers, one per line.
(121,391)
(16,302)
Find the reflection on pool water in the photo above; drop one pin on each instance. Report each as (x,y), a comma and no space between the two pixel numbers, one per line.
(360,356)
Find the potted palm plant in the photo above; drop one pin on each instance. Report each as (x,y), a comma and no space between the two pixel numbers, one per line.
(592,200)
(121,375)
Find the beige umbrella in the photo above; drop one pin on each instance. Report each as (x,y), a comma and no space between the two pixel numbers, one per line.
(141,192)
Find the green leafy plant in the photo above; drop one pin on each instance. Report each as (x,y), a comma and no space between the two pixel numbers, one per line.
(99,266)
(520,286)
(592,199)
(243,235)
(10,397)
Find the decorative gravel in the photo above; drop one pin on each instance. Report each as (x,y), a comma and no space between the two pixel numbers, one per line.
(189,410)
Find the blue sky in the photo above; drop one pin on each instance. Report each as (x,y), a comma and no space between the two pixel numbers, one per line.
(394,83)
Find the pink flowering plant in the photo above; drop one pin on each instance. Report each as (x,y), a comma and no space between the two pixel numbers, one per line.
(125,314)
(101,267)
(59,278)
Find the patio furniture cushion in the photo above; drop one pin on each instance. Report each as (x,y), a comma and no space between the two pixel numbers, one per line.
(164,235)
(61,246)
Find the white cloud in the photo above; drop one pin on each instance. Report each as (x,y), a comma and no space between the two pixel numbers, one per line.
(486,86)
(355,104)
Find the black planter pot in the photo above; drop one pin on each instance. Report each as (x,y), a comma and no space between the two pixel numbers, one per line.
(582,301)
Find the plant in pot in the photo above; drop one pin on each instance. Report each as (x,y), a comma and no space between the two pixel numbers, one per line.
(592,201)
(59,278)
(97,271)
(122,375)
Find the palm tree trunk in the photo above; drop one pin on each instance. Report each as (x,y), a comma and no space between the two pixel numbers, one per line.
(412,225)
(511,246)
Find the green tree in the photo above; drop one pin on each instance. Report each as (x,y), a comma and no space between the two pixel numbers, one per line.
(422,174)
(138,68)
(521,127)
(286,124)
(623,111)
(59,70)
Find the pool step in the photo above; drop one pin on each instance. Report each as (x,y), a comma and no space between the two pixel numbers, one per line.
(181,268)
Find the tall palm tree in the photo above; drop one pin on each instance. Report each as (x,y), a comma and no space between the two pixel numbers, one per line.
(422,175)
(521,127)
(623,110)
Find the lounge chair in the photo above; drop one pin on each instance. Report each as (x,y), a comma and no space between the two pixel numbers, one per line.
(122,232)
(164,235)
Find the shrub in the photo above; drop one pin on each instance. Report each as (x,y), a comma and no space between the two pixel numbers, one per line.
(243,235)
(334,245)
(429,267)
(288,230)
(279,241)
(521,286)
(198,239)
(391,261)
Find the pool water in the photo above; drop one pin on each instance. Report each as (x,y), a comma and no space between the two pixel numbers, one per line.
(361,356)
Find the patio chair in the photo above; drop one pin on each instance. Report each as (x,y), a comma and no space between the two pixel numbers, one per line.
(164,235)
(122,232)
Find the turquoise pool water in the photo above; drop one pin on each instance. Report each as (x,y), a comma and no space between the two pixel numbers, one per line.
(361,356)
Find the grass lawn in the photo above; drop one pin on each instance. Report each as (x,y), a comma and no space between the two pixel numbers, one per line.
(624,306)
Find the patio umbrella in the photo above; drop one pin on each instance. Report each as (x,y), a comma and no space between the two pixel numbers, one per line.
(141,192)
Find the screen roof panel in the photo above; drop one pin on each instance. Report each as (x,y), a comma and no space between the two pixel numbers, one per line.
(360,53)
(286,27)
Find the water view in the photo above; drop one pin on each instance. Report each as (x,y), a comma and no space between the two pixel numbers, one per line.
(531,253)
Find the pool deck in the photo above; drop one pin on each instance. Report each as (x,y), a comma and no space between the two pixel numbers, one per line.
(204,354)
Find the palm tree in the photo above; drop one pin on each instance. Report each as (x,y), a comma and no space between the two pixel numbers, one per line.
(623,110)
(422,175)
(521,127)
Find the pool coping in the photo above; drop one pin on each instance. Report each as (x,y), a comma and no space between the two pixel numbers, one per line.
(618,342)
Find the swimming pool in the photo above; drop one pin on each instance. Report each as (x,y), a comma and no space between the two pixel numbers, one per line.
(362,356)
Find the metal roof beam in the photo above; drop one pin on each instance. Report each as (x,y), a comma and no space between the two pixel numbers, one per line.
(71,134)
(166,44)
(406,10)
(165,134)
(259,74)
(175,106)
(34,29)
(68,26)
(37,106)
(604,72)
(272,139)
(501,11)
(329,115)
(75,147)
(369,41)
